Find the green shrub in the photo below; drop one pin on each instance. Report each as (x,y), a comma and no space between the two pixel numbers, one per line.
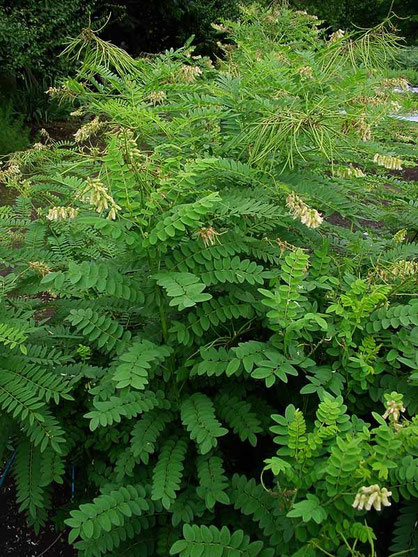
(220,265)
(14,135)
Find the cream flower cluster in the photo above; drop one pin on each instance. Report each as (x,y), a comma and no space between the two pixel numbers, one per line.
(12,172)
(396,106)
(208,63)
(372,496)
(39,146)
(364,130)
(157,97)
(398,82)
(299,210)
(62,213)
(305,72)
(190,73)
(404,138)
(78,112)
(87,130)
(135,155)
(281,58)
(348,172)
(40,267)
(45,135)
(283,245)
(401,269)
(53,91)
(336,36)
(393,163)
(61,92)
(305,13)
(280,93)
(219,27)
(15,237)
(376,100)
(96,194)
(209,235)
(393,411)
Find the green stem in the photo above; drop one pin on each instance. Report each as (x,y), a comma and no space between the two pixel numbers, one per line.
(162,314)
(320,549)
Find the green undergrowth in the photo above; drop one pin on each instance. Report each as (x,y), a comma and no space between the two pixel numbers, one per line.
(208,301)
(14,134)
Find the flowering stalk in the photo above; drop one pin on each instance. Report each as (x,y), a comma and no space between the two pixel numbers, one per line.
(96,194)
(299,210)
(348,172)
(392,163)
(61,213)
(87,130)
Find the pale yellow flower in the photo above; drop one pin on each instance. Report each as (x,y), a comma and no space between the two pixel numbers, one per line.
(348,172)
(157,97)
(401,269)
(364,129)
(96,194)
(396,106)
(305,72)
(392,163)
(219,27)
(398,82)
(87,130)
(372,496)
(61,213)
(40,267)
(393,410)
(190,73)
(77,112)
(39,147)
(336,36)
(301,211)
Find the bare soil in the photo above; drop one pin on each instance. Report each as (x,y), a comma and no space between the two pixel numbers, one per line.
(408,174)
(19,540)
(60,130)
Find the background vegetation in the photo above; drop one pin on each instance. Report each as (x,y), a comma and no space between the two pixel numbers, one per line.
(350,13)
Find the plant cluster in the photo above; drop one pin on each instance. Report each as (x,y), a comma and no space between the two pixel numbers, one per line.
(208,311)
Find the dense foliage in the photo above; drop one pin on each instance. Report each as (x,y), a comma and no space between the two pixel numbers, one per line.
(208,311)
(32,34)
(14,135)
(352,13)
(153,26)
